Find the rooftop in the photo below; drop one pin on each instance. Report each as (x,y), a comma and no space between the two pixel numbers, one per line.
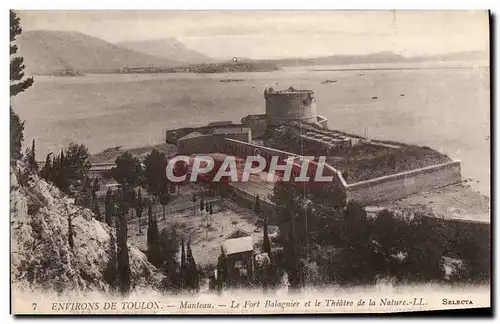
(237,245)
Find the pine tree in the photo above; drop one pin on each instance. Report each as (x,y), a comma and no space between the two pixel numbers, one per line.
(18,83)
(16,136)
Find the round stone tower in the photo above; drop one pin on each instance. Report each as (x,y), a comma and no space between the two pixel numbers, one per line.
(290,104)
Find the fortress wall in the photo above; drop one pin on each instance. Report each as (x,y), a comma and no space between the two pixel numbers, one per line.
(210,143)
(284,106)
(244,149)
(397,186)
(172,135)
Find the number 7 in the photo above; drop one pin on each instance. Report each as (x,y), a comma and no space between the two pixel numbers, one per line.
(34,306)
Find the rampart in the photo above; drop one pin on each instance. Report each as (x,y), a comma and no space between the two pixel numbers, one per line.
(172,135)
(400,185)
(244,149)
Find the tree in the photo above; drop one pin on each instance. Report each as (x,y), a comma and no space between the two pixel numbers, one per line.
(155,172)
(95,206)
(266,247)
(183,256)
(139,208)
(202,204)
(84,196)
(18,84)
(192,276)
(76,162)
(127,170)
(70,233)
(169,249)
(109,208)
(122,252)
(31,158)
(16,136)
(193,199)
(152,225)
(164,196)
(257,205)
(46,171)
(110,272)
(425,243)
(222,270)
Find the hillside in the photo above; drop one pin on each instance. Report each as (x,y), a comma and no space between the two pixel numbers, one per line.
(47,52)
(169,48)
(381,57)
(41,255)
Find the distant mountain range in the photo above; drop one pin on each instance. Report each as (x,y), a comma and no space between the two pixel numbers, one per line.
(169,48)
(50,52)
(381,57)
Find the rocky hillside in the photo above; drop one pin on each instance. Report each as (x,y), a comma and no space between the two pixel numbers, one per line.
(49,52)
(41,255)
(169,48)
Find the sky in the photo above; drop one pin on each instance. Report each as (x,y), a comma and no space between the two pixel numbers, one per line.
(281,34)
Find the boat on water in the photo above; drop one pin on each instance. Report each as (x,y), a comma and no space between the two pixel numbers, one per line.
(231,80)
(327,81)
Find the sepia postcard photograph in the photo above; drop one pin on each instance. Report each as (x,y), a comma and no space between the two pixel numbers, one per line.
(259,162)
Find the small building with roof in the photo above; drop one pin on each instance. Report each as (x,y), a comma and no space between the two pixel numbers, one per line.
(237,248)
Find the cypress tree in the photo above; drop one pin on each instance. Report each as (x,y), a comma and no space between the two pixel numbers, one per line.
(108,208)
(47,168)
(95,206)
(183,263)
(70,233)
(151,224)
(202,204)
(257,205)
(122,251)
(192,276)
(267,243)
(138,209)
(32,164)
(153,239)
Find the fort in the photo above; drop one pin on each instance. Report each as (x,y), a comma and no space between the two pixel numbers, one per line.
(370,172)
